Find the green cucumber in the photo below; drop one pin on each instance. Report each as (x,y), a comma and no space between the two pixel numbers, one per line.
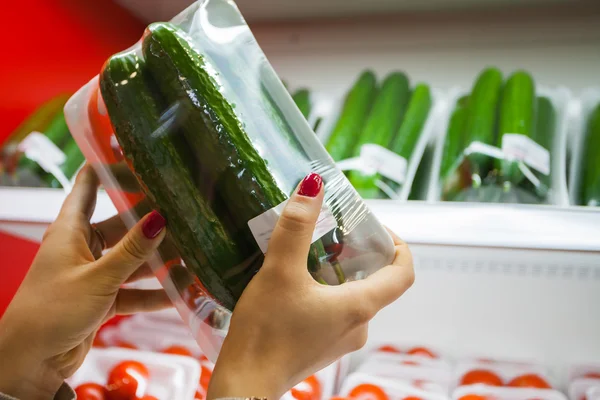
(480,125)
(590,171)
(302,99)
(545,131)
(383,122)
(454,141)
(163,165)
(213,131)
(517,112)
(358,102)
(74,158)
(412,126)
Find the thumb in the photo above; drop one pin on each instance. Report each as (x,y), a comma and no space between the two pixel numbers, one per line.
(292,235)
(135,247)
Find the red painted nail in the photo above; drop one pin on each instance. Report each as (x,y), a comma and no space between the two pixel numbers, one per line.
(311,185)
(153,224)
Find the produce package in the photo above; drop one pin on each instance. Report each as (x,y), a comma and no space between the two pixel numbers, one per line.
(503,373)
(130,374)
(504,141)
(363,386)
(585,174)
(193,121)
(380,132)
(41,152)
(484,392)
(584,389)
(320,386)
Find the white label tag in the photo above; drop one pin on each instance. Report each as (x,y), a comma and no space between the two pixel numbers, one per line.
(37,147)
(520,147)
(262,226)
(375,159)
(486,149)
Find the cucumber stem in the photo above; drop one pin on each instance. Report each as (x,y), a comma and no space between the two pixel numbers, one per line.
(339,272)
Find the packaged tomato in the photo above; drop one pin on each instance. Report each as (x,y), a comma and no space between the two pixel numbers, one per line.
(320,386)
(485,392)
(502,373)
(584,389)
(361,386)
(404,358)
(406,349)
(587,370)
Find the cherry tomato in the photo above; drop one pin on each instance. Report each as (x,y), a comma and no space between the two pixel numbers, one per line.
(412,398)
(203,358)
(410,362)
(529,381)
(422,351)
(592,375)
(199,395)
(308,389)
(128,380)
(366,391)
(126,345)
(178,350)
(481,376)
(389,349)
(90,391)
(473,397)
(205,377)
(339,398)
(148,397)
(98,342)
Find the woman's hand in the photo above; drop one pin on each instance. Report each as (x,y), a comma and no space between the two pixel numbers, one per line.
(286,326)
(70,290)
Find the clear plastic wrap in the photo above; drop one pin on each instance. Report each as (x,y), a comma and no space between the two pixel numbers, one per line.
(503,141)
(205,132)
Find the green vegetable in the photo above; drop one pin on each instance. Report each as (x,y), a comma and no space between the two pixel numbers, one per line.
(383,122)
(216,136)
(358,102)
(480,125)
(517,111)
(164,165)
(412,125)
(74,158)
(454,142)
(590,171)
(545,130)
(302,100)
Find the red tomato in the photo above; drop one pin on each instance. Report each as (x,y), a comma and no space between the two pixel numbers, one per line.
(389,349)
(178,350)
(366,391)
(126,345)
(128,380)
(473,397)
(339,398)
(199,395)
(409,362)
(203,358)
(592,375)
(481,376)
(308,389)
(205,377)
(90,391)
(148,397)
(412,398)
(529,381)
(422,351)
(98,342)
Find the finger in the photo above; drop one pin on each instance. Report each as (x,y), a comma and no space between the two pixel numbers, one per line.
(82,199)
(131,301)
(386,285)
(292,235)
(135,248)
(143,272)
(112,230)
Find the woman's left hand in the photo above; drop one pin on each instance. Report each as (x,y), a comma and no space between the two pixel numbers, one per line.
(71,290)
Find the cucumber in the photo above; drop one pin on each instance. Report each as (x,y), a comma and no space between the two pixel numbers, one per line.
(358,102)
(480,125)
(517,111)
(590,172)
(302,100)
(412,125)
(74,158)
(383,122)
(163,165)
(454,142)
(545,130)
(217,138)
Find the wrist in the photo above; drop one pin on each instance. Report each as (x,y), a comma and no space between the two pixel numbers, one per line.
(22,374)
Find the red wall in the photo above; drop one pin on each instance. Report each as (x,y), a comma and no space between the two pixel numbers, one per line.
(50,47)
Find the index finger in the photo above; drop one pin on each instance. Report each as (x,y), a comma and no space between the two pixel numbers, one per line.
(389,283)
(82,199)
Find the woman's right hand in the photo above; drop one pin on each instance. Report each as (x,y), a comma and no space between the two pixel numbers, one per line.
(286,326)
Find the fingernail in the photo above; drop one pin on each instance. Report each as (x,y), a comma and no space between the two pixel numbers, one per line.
(311,185)
(153,225)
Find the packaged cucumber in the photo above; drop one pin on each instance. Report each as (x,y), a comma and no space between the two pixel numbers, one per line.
(217,146)
(499,144)
(589,173)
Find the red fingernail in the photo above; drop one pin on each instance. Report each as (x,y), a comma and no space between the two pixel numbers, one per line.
(153,225)
(311,185)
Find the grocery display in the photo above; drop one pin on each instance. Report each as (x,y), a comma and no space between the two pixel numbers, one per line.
(590,173)
(216,162)
(504,142)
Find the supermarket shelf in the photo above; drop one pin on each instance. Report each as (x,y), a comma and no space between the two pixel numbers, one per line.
(270,10)
(452,224)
